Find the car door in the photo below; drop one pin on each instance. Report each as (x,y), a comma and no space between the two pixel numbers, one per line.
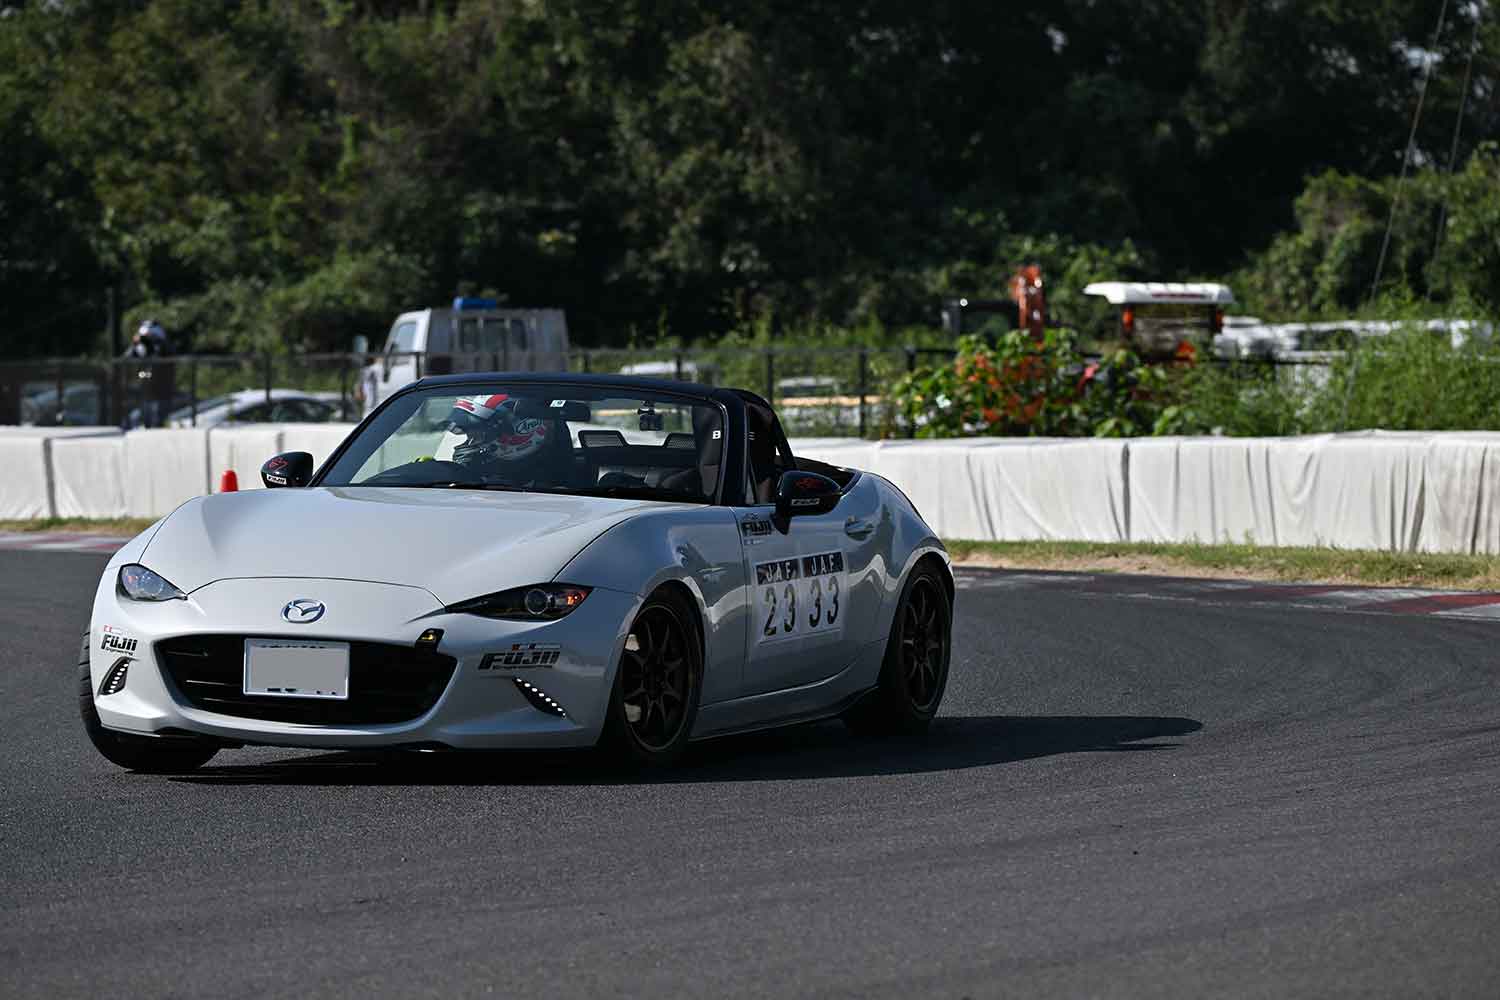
(809,608)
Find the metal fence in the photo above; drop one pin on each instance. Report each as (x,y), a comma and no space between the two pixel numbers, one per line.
(833,391)
(818,391)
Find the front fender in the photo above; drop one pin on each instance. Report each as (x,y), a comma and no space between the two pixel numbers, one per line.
(911,541)
(698,548)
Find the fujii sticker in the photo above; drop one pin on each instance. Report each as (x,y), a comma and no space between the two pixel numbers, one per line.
(114,640)
(522,655)
(800,596)
(753,529)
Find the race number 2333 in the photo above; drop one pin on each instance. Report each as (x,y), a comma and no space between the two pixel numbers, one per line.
(800,596)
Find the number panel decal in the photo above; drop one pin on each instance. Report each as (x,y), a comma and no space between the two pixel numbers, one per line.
(799,597)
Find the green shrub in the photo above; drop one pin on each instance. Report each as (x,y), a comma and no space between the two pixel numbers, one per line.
(1019,387)
(1411,379)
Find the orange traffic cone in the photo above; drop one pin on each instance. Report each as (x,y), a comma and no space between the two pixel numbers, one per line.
(229,482)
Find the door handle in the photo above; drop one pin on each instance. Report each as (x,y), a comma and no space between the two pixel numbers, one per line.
(858,529)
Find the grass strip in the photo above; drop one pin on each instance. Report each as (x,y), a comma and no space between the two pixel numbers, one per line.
(1241,562)
(123,526)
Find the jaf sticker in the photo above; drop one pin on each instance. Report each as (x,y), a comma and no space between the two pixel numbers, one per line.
(799,597)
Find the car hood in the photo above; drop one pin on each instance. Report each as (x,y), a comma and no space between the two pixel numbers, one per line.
(456,544)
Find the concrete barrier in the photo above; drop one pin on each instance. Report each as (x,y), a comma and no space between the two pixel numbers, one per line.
(1371,490)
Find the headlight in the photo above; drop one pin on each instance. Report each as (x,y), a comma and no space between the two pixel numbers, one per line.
(138,583)
(541,602)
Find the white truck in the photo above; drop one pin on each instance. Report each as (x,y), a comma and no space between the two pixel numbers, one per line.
(1166,319)
(473,335)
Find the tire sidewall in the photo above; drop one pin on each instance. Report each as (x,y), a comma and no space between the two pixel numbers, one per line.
(893,690)
(135,753)
(617,732)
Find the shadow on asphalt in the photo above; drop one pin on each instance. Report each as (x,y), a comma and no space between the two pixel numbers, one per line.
(825,750)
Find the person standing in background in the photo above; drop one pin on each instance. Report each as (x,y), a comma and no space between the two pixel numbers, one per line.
(153,378)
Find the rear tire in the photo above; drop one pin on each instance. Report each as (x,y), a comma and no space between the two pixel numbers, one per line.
(914,674)
(150,754)
(654,702)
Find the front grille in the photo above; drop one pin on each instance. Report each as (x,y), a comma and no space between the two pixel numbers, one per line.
(387,683)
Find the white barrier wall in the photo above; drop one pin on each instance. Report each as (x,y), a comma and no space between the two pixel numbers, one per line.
(89,477)
(102,473)
(24,487)
(1371,490)
(1461,512)
(1020,489)
(1397,491)
(27,454)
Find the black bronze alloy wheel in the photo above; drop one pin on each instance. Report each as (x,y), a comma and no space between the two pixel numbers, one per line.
(915,672)
(923,647)
(656,692)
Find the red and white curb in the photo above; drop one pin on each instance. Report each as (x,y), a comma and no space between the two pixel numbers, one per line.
(60,541)
(1240,593)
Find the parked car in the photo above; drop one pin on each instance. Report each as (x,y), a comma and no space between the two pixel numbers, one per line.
(687,371)
(250,406)
(80,406)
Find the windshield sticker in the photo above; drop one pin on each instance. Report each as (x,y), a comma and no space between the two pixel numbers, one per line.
(799,597)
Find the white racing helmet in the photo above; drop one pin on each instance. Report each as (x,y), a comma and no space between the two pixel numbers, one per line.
(492,431)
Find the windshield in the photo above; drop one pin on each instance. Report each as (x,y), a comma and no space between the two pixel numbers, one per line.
(589,440)
(403,338)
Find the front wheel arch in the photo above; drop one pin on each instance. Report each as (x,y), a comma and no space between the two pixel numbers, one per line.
(658,670)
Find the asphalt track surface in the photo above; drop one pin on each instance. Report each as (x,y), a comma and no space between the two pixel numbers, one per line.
(1122,798)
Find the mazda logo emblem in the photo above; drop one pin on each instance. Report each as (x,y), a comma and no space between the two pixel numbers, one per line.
(303,611)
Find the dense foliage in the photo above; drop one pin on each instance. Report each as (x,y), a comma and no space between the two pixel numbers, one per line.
(1411,379)
(284,173)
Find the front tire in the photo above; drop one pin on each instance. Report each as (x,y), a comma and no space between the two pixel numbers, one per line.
(654,703)
(914,674)
(150,754)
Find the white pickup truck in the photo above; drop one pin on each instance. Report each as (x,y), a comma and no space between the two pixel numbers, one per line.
(473,335)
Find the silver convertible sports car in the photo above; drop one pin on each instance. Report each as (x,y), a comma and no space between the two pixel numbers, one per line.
(524,561)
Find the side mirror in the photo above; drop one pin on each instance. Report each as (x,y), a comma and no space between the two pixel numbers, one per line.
(800,493)
(292,468)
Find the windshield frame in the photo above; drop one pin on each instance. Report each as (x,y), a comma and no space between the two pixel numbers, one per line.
(578,387)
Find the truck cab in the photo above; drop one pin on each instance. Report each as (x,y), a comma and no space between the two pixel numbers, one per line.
(473,335)
(1166,319)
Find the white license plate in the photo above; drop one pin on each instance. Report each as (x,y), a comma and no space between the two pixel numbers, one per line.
(297,668)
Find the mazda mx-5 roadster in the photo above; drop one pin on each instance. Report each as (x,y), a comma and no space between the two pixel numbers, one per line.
(526,561)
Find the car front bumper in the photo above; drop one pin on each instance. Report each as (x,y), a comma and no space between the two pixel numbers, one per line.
(485,704)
